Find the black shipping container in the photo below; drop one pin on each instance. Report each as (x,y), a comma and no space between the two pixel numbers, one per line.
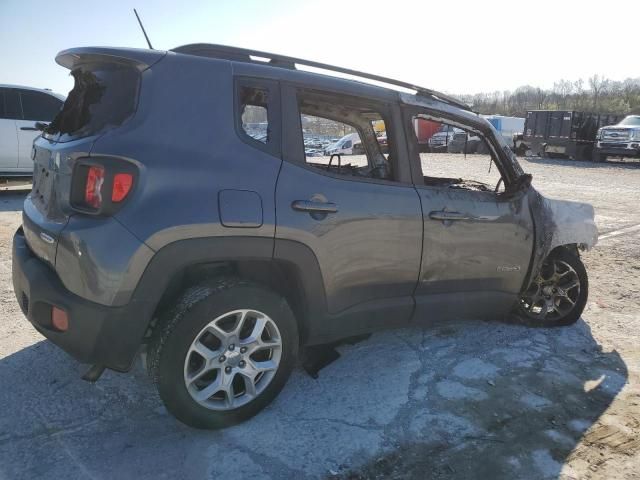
(564,133)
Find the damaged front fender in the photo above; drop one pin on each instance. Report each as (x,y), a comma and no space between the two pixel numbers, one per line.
(573,224)
(559,223)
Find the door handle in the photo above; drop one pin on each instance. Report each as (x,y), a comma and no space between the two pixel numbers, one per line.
(449,216)
(314,207)
(29,128)
(442,215)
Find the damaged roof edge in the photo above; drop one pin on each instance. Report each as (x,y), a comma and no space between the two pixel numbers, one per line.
(138,57)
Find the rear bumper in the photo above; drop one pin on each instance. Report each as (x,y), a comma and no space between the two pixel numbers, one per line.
(97,334)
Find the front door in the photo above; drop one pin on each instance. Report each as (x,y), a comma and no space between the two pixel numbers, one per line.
(358,214)
(478,240)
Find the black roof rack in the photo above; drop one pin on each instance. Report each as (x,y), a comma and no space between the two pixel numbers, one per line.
(283,61)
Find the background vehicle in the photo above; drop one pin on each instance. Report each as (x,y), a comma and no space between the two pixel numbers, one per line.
(506,126)
(564,133)
(350,144)
(439,141)
(620,140)
(463,142)
(20,109)
(219,250)
(469,143)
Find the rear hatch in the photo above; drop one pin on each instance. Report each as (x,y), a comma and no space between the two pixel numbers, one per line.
(103,98)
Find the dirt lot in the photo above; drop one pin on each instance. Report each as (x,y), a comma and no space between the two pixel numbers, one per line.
(463,400)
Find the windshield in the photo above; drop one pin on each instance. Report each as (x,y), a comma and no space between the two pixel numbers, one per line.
(631,120)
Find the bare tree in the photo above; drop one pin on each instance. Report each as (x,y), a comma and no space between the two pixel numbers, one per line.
(598,85)
(602,96)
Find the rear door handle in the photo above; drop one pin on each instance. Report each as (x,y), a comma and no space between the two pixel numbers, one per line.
(314,207)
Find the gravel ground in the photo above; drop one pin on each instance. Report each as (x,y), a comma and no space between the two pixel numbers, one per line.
(462,400)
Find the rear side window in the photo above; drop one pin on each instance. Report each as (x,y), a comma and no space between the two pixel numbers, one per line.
(103,97)
(10,104)
(258,114)
(39,106)
(254,113)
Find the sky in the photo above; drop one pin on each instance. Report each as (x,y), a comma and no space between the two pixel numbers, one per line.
(461,47)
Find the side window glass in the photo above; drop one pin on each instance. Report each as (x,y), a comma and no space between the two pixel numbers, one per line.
(39,106)
(10,104)
(454,157)
(344,139)
(254,113)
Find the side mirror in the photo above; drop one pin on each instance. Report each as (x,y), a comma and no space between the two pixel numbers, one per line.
(41,126)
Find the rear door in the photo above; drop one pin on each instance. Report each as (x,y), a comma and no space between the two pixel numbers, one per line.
(9,111)
(363,228)
(36,107)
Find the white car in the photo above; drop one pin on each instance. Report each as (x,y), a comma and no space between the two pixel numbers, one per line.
(20,109)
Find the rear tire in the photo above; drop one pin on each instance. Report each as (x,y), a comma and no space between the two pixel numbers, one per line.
(223,353)
(558,294)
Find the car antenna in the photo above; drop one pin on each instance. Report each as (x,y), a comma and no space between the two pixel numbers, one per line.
(143,30)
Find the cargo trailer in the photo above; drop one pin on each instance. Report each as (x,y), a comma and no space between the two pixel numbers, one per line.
(564,133)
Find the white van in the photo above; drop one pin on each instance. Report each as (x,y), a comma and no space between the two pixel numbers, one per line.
(20,109)
(348,145)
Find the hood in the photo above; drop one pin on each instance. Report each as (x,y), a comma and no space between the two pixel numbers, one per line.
(621,127)
(572,223)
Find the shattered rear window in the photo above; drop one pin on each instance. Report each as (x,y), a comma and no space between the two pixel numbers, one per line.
(103,97)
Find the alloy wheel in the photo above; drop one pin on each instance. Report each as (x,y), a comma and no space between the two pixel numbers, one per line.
(554,293)
(233,359)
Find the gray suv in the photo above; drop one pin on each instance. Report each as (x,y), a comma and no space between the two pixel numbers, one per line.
(174,214)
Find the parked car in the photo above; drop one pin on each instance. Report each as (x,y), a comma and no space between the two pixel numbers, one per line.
(560,133)
(463,142)
(20,109)
(439,141)
(620,140)
(173,232)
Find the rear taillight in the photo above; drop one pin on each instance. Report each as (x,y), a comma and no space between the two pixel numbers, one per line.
(122,183)
(100,186)
(93,187)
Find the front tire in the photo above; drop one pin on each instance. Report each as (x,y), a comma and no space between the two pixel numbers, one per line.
(558,294)
(223,353)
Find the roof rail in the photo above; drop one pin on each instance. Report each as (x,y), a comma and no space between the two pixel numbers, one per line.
(283,61)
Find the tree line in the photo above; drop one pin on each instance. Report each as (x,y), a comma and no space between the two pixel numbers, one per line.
(598,94)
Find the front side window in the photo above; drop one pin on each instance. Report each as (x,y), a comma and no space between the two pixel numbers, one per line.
(457,158)
(39,106)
